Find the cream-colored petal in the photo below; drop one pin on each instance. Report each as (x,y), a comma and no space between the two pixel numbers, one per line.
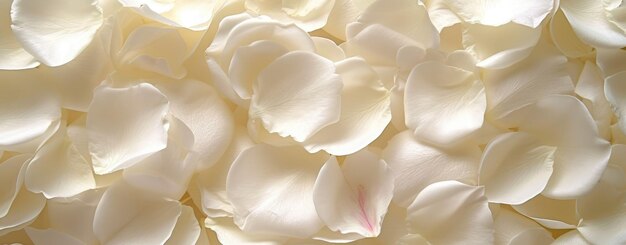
(127,215)
(24,210)
(443,104)
(611,61)
(11,181)
(228,233)
(502,46)
(364,114)
(58,169)
(416,165)
(551,213)
(565,38)
(126,125)
(28,112)
(14,55)
(571,238)
(187,229)
(403,16)
(308,15)
(55,31)
(450,212)
(271,190)
(354,198)
(201,109)
(297,95)
(590,87)
(515,168)
(500,12)
(343,13)
(51,237)
(590,22)
(615,91)
(514,229)
(541,74)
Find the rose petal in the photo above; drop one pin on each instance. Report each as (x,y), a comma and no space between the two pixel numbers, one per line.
(615,91)
(416,165)
(56,31)
(354,198)
(572,237)
(58,169)
(502,46)
(450,212)
(14,55)
(51,237)
(127,215)
(551,213)
(11,180)
(297,95)
(187,229)
(126,125)
(308,15)
(500,12)
(512,228)
(590,22)
(271,190)
(364,114)
(201,109)
(443,103)
(565,38)
(515,168)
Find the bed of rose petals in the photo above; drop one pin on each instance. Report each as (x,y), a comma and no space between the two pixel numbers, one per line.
(312,122)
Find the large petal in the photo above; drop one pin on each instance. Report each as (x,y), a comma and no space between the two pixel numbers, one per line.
(541,74)
(127,215)
(354,198)
(55,31)
(443,104)
(364,115)
(565,38)
(416,165)
(515,168)
(581,156)
(450,212)
(502,46)
(14,55)
(201,109)
(74,215)
(228,233)
(615,91)
(591,23)
(58,169)
(28,112)
(271,190)
(51,237)
(297,95)
(126,125)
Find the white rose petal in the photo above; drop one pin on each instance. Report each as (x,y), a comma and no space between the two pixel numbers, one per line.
(55,31)
(126,125)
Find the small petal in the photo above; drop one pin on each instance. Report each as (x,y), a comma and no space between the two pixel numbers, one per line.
(297,95)
(55,31)
(126,125)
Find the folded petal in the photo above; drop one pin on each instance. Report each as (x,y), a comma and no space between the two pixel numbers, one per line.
(365,111)
(271,190)
(126,125)
(187,229)
(591,23)
(443,103)
(249,61)
(611,61)
(55,31)
(28,112)
(11,180)
(416,165)
(354,198)
(515,168)
(308,15)
(24,210)
(343,13)
(58,169)
(127,215)
(200,108)
(571,237)
(450,212)
(590,87)
(297,95)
